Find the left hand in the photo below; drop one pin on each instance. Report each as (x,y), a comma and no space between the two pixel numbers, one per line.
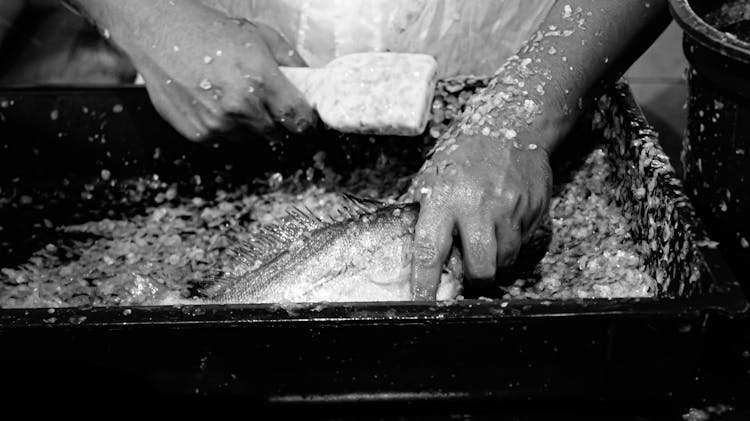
(492,192)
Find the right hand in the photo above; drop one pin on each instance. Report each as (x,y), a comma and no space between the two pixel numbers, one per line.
(207,73)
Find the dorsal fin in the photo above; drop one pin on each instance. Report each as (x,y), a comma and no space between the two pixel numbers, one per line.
(357,206)
(274,239)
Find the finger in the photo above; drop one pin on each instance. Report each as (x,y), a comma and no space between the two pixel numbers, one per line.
(508,236)
(279,47)
(523,215)
(180,116)
(528,219)
(286,104)
(213,119)
(532,220)
(530,223)
(249,111)
(432,244)
(479,245)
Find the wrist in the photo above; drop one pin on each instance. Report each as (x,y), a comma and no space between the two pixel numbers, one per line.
(559,115)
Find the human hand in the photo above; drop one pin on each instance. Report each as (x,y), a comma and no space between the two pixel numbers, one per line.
(207,73)
(494,195)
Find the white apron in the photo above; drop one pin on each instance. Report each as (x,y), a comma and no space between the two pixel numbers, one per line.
(465,36)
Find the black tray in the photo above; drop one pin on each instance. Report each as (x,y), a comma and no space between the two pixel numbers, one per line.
(500,351)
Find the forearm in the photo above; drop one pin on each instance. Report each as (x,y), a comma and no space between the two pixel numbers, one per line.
(581,46)
(135,24)
(598,41)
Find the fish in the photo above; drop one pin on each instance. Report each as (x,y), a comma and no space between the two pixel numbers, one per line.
(362,255)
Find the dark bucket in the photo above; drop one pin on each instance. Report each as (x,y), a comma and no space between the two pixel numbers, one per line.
(716,149)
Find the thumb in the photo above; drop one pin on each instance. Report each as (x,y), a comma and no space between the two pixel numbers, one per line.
(279,46)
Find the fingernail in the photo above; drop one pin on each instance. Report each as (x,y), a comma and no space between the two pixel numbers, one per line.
(301,124)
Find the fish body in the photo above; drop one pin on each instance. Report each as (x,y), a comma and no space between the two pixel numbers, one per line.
(365,256)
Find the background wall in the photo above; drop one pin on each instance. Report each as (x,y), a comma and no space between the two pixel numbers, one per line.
(659,85)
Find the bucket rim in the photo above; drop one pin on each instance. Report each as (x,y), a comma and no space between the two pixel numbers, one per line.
(707,34)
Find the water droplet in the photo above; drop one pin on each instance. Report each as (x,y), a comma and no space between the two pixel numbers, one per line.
(218,53)
(250,89)
(567,11)
(552,50)
(532,146)
(117,108)
(207,59)
(54,115)
(205,84)
(106,33)
(176,48)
